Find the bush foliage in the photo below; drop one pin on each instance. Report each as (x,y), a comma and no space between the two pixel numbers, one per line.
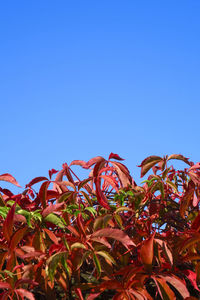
(104,237)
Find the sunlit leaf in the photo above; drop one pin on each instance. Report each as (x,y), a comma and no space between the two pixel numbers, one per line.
(53,262)
(9,178)
(179,157)
(146,251)
(148,163)
(52,218)
(115,234)
(78,245)
(115,156)
(36,180)
(8,223)
(178,284)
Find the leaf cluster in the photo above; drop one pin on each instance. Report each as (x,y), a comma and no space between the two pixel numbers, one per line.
(104,237)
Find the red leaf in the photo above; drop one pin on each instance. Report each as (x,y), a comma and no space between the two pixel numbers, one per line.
(179,157)
(60,175)
(99,166)
(111,181)
(196,166)
(102,241)
(195,177)
(116,234)
(33,254)
(5,285)
(80,224)
(79,293)
(146,251)
(51,208)
(73,230)
(68,173)
(163,289)
(101,198)
(192,276)
(87,165)
(9,178)
(93,296)
(52,194)
(59,178)
(6,192)
(17,237)
(179,285)
(115,156)
(196,223)
(24,293)
(43,193)
(186,200)
(81,163)
(19,218)
(148,163)
(29,281)
(51,172)
(36,180)
(8,223)
(84,184)
(123,173)
(195,200)
(51,235)
(112,285)
(93,161)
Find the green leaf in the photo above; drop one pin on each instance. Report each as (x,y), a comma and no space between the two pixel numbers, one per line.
(118,219)
(36,215)
(9,273)
(26,214)
(91,210)
(78,245)
(52,218)
(123,208)
(4,211)
(65,265)
(97,264)
(107,256)
(173,186)
(64,196)
(66,243)
(53,262)
(83,258)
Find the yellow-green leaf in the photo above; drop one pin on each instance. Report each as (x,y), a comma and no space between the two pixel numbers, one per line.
(78,245)
(107,256)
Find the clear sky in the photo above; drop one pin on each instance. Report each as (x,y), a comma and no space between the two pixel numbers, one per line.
(80,79)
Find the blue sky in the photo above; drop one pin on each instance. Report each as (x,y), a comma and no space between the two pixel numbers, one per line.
(85,78)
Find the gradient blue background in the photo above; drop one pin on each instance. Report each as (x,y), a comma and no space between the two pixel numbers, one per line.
(85,78)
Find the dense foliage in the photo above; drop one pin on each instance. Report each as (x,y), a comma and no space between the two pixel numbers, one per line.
(104,237)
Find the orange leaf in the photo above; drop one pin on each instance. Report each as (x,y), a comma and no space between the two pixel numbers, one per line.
(17,237)
(146,251)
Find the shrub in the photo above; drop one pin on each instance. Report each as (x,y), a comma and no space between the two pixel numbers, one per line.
(104,237)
